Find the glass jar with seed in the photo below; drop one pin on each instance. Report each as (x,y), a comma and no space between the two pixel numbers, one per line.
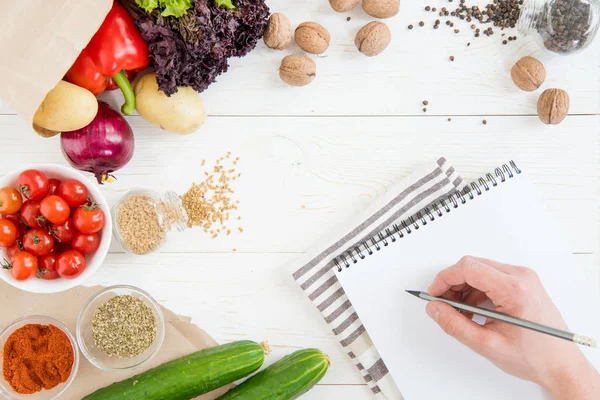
(143,218)
(561,26)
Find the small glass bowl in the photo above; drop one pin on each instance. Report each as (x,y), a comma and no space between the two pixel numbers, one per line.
(54,393)
(86,340)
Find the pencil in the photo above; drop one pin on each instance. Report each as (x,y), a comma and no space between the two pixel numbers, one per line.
(573,337)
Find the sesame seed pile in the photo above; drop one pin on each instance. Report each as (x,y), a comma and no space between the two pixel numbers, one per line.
(209,204)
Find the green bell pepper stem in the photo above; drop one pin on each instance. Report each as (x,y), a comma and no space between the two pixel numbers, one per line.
(121,80)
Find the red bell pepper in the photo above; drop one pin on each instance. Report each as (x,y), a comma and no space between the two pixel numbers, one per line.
(115,49)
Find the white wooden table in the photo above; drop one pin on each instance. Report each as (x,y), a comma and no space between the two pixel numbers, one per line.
(310,157)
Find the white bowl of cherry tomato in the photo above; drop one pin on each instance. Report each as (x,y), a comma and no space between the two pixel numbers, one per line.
(55,228)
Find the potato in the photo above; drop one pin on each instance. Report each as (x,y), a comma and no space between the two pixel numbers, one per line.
(183,112)
(66,108)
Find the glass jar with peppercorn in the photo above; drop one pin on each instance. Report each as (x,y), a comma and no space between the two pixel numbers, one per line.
(562,26)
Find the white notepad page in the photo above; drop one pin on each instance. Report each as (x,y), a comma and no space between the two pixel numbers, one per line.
(508,224)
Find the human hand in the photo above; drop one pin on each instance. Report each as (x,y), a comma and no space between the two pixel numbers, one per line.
(555,364)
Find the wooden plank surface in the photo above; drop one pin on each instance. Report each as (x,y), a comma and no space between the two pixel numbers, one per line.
(414,68)
(310,157)
(302,175)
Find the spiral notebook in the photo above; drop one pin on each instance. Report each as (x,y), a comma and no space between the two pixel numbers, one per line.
(499,217)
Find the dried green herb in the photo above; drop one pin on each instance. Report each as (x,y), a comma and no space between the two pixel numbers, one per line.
(123,327)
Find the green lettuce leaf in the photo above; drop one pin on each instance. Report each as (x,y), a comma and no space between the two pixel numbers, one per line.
(147,5)
(225,4)
(175,8)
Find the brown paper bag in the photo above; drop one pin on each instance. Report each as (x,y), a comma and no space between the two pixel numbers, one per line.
(181,337)
(39,41)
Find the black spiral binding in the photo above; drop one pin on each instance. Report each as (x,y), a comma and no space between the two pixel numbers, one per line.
(423,217)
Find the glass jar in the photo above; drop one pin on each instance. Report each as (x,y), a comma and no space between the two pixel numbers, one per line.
(562,26)
(143,218)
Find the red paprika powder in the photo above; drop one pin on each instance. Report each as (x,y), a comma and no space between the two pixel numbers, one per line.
(37,357)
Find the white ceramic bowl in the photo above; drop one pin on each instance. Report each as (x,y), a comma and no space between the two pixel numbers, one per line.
(6,391)
(94,261)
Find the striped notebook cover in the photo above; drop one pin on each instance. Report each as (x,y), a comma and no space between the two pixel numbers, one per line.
(315,270)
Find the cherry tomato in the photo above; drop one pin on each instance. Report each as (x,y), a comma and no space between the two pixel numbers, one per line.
(10,200)
(38,242)
(33,184)
(14,249)
(86,244)
(64,233)
(53,184)
(60,248)
(16,219)
(73,192)
(88,218)
(22,266)
(47,267)
(30,214)
(8,233)
(70,264)
(55,209)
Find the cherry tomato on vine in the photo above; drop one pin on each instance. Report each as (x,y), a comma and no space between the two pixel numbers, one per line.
(30,214)
(10,201)
(38,242)
(22,266)
(64,233)
(53,184)
(16,219)
(88,218)
(70,264)
(86,244)
(55,209)
(14,249)
(33,184)
(47,267)
(8,233)
(73,192)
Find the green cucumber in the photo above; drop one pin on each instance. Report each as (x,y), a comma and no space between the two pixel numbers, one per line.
(287,379)
(189,376)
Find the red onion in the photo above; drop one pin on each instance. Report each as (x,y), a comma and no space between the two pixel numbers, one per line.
(102,147)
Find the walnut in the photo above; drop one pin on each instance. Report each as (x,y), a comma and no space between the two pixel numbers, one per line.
(343,5)
(297,70)
(381,8)
(528,74)
(373,38)
(312,37)
(553,106)
(278,34)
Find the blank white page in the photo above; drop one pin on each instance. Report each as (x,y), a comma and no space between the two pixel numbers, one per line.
(508,224)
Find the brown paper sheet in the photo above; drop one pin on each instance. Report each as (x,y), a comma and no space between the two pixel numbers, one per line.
(39,41)
(181,337)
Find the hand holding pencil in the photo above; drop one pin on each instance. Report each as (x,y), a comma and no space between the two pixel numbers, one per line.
(557,365)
